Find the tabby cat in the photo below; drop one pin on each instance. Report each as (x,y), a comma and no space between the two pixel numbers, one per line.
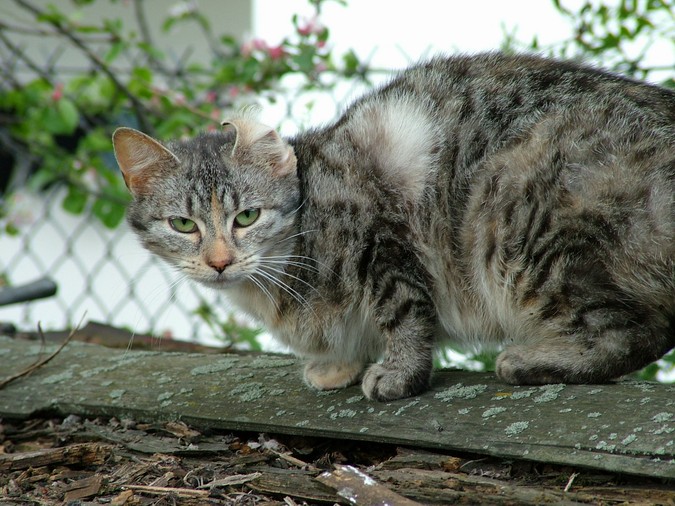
(500,201)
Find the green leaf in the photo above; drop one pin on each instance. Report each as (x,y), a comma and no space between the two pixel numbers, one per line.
(351,62)
(70,116)
(115,50)
(75,200)
(61,118)
(41,179)
(151,50)
(168,24)
(110,213)
(11,230)
(305,58)
(648,373)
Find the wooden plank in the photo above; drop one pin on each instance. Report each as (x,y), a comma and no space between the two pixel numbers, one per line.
(627,427)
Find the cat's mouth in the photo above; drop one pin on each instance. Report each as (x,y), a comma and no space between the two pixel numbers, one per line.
(220,280)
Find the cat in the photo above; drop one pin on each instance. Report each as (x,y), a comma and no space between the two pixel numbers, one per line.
(496,201)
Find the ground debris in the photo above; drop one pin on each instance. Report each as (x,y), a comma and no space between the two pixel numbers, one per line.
(130,463)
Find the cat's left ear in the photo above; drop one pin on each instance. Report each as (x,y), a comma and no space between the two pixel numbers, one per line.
(260,144)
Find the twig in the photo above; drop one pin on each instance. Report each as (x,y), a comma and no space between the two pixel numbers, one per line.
(570,481)
(136,104)
(21,55)
(144,30)
(41,32)
(45,360)
(180,492)
(294,461)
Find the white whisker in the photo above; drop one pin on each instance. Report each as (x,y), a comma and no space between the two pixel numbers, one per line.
(296,235)
(288,289)
(274,269)
(301,265)
(299,207)
(263,289)
(301,257)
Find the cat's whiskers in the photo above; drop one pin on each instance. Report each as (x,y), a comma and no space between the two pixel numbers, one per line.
(299,234)
(299,207)
(281,260)
(317,262)
(152,298)
(263,289)
(287,288)
(280,271)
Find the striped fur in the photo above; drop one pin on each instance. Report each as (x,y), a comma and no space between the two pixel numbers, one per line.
(494,201)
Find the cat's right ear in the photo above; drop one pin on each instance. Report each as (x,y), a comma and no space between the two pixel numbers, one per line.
(141,158)
(261,145)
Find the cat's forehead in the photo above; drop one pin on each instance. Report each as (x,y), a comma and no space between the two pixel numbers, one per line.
(206,147)
(205,160)
(208,174)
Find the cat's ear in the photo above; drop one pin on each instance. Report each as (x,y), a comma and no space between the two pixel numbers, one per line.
(141,158)
(261,145)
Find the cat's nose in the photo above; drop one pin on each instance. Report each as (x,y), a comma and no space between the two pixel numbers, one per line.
(219,264)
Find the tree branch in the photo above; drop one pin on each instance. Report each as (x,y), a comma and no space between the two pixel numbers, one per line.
(139,109)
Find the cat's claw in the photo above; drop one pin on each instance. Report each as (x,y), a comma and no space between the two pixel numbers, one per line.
(383,384)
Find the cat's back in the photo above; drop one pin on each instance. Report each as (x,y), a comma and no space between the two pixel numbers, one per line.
(448,114)
(491,85)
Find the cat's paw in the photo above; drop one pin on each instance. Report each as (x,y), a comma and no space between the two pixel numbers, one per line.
(330,376)
(520,366)
(383,384)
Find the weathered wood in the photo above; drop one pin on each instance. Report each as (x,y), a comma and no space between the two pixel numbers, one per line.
(360,489)
(626,427)
(86,453)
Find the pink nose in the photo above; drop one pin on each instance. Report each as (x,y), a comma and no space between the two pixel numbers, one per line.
(219,264)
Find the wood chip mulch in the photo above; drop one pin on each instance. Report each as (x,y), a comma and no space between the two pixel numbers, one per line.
(78,462)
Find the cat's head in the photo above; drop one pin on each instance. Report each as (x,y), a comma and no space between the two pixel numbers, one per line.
(215,206)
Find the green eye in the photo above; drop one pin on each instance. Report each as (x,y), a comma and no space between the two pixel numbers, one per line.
(246,218)
(183,225)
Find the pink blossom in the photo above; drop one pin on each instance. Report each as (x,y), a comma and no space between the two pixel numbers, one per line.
(311,26)
(233,92)
(211,96)
(57,94)
(216,115)
(253,45)
(259,44)
(320,67)
(276,52)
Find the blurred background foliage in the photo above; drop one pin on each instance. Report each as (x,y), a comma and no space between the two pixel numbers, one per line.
(55,130)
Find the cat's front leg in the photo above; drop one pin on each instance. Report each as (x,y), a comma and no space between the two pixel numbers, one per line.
(405,315)
(332,375)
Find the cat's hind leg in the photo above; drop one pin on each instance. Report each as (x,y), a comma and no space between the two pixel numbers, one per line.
(592,334)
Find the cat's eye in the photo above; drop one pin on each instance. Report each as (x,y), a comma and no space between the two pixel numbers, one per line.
(183,225)
(246,218)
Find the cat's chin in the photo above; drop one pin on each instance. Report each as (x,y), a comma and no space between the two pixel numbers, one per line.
(218,283)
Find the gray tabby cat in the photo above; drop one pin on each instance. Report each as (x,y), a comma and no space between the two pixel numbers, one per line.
(496,201)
